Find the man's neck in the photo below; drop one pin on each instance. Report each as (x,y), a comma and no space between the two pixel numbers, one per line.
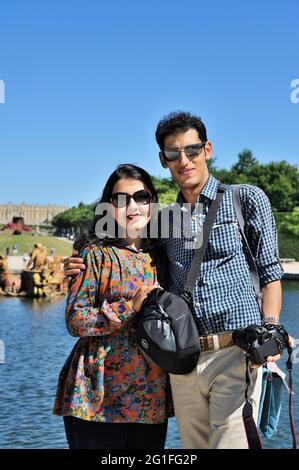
(191,194)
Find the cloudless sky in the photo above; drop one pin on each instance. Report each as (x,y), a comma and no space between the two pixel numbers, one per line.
(86,82)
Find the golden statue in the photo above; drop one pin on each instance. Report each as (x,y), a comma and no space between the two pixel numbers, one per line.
(3,272)
(38,258)
(3,264)
(42,277)
(55,265)
(9,282)
(57,273)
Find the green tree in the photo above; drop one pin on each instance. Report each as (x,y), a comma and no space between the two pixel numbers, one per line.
(166,188)
(212,165)
(280,181)
(77,217)
(246,162)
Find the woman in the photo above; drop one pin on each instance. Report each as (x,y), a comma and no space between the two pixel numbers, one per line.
(109,396)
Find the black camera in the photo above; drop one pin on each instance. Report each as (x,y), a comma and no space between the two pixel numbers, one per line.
(261,341)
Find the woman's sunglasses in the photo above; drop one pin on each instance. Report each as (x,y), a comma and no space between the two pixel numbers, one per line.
(141,197)
(191,151)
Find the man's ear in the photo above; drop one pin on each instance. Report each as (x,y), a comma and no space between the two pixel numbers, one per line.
(208,150)
(163,162)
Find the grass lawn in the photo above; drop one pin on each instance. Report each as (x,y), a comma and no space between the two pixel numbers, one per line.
(26,243)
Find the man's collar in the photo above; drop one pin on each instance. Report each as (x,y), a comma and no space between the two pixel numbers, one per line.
(209,190)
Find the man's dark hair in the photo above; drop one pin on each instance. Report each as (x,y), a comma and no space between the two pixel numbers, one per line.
(177,122)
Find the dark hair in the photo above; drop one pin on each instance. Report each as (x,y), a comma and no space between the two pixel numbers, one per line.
(179,121)
(124,171)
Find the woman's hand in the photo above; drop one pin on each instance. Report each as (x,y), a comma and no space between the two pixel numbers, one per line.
(140,295)
(73,265)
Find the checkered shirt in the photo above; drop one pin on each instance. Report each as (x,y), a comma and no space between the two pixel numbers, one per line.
(223,297)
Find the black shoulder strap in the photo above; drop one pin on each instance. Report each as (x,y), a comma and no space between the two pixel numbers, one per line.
(200,252)
(250,258)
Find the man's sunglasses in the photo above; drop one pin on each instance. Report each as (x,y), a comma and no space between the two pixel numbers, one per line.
(141,197)
(191,151)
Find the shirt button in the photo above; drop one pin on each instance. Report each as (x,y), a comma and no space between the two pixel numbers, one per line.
(138,256)
(197,304)
(194,217)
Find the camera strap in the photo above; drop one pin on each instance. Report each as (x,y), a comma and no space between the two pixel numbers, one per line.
(252,434)
(289,365)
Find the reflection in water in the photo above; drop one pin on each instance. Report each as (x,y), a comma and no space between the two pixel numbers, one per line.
(36,346)
(42,304)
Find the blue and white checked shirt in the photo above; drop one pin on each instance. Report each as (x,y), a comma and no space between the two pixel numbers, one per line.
(224,298)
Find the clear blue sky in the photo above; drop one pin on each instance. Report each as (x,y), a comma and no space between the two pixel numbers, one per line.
(86,82)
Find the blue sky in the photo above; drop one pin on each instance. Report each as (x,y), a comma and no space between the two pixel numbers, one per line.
(87,81)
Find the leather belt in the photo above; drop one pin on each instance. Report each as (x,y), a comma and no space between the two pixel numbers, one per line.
(216,342)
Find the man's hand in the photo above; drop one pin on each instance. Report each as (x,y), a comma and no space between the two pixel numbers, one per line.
(72,265)
(277,357)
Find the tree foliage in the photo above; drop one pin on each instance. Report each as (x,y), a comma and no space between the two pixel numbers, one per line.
(279,180)
(167,190)
(77,217)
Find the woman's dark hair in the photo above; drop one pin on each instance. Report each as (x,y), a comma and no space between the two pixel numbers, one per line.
(124,171)
(179,121)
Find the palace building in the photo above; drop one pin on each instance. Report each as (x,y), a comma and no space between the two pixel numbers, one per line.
(32,214)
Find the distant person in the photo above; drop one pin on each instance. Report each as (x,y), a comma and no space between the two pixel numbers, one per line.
(25,257)
(15,249)
(108,395)
(7,251)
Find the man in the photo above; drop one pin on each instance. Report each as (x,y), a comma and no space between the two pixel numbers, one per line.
(209,401)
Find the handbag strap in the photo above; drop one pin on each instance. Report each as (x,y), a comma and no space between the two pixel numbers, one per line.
(249,256)
(200,252)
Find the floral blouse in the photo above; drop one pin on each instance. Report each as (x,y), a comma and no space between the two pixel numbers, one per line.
(105,377)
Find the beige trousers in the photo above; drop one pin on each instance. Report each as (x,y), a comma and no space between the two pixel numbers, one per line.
(208,402)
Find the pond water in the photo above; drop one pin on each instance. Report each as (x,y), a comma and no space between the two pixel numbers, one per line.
(36,345)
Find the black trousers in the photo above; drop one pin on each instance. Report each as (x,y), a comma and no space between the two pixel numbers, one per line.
(82,434)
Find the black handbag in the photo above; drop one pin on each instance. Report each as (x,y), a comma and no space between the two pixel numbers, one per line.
(166,329)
